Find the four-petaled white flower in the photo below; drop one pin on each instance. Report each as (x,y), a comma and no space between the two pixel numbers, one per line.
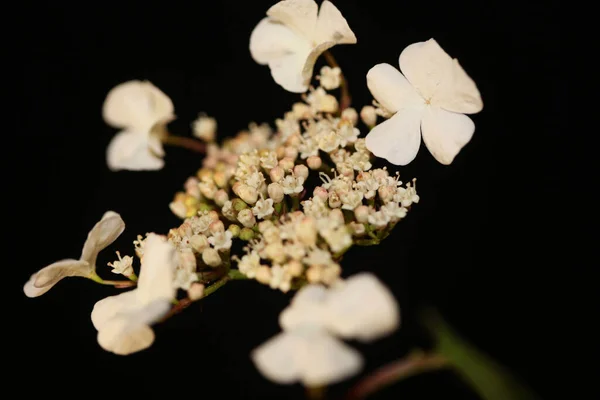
(142,111)
(101,236)
(293,36)
(308,349)
(123,321)
(431,99)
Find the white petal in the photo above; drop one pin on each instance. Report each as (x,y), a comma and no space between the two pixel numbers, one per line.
(156,273)
(121,337)
(332,26)
(363,308)
(445,133)
(289,71)
(299,15)
(106,231)
(137,105)
(47,277)
(391,89)
(306,308)
(397,139)
(270,40)
(312,357)
(131,150)
(106,309)
(439,78)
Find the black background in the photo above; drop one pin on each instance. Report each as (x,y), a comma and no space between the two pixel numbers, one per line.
(481,245)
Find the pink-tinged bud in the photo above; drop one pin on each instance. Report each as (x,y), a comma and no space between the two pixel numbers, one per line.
(368,116)
(362,213)
(295,268)
(211,257)
(236,187)
(199,243)
(248,194)
(196,291)
(276,174)
(246,218)
(291,153)
(216,227)
(275,192)
(321,192)
(386,193)
(314,162)
(191,187)
(213,215)
(286,163)
(337,216)
(301,170)
(221,197)
(350,115)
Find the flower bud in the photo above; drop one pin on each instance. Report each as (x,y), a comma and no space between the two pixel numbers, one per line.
(301,110)
(295,268)
(204,128)
(293,140)
(362,213)
(179,209)
(334,200)
(205,174)
(307,232)
(275,192)
(314,274)
(199,243)
(234,229)
(368,116)
(246,234)
(211,257)
(301,170)
(263,274)
(314,162)
(276,174)
(221,197)
(238,204)
(357,228)
(386,193)
(191,187)
(350,115)
(248,193)
(196,291)
(331,274)
(321,193)
(286,163)
(346,170)
(275,252)
(246,218)
(216,227)
(220,179)
(213,215)
(336,216)
(291,153)
(187,260)
(263,226)
(208,189)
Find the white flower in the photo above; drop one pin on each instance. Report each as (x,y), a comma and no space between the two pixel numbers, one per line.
(205,128)
(142,111)
(292,184)
(308,355)
(263,208)
(330,78)
(360,307)
(101,236)
(123,321)
(293,36)
(221,240)
(184,278)
(123,266)
(431,99)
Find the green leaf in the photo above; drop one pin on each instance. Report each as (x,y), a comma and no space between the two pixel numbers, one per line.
(488,378)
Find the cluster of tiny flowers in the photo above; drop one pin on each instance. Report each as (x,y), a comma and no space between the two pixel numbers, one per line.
(254,187)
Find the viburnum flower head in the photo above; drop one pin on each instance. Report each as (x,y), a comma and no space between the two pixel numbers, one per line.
(429,98)
(292,37)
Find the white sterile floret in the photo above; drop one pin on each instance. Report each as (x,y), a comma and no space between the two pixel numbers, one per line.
(106,231)
(429,98)
(123,321)
(292,37)
(142,111)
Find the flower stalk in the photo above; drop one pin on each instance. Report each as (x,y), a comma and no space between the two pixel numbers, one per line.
(345,98)
(185,142)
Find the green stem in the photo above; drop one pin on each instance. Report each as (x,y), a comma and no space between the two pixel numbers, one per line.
(236,275)
(185,142)
(415,363)
(488,378)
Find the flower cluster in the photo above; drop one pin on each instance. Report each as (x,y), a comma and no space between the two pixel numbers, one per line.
(298,194)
